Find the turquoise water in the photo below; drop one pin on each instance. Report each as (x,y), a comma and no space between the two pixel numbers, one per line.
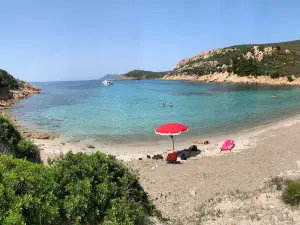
(129,111)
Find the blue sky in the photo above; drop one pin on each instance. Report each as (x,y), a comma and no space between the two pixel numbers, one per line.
(43,40)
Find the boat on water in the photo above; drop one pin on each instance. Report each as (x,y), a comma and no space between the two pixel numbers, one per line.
(107,82)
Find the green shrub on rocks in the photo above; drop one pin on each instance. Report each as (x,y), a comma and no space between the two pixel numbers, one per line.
(290,78)
(78,189)
(12,143)
(291,193)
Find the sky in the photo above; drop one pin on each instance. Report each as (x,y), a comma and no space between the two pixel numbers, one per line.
(54,40)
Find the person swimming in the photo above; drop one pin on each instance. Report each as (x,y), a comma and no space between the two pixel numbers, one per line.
(273,96)
(164,105)
(171,105)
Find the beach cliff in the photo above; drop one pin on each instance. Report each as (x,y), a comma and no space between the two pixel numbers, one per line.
(271,64)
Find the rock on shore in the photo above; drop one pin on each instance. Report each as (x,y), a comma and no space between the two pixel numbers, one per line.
(8,97)
(233,78)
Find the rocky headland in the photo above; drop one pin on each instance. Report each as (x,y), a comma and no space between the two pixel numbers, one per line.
(12,90)
(271,64)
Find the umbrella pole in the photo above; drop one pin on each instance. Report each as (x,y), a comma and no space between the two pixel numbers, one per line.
(172,141)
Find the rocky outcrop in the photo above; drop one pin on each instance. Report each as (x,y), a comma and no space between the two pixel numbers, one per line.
(276,63)
(25,92)
(7,97)
(233,78)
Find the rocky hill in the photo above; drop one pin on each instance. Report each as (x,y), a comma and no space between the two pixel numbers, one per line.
(278,61)
(13,89)
(110,77)
(143,75)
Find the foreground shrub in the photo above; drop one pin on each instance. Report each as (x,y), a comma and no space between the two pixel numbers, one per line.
(98,188)
(291,193)
(78,189)
(9,135)
(26,195)
(11,142)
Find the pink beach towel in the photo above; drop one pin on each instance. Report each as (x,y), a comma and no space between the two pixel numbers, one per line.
(228,145)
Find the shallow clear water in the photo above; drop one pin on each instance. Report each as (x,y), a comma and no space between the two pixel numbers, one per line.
(129,111)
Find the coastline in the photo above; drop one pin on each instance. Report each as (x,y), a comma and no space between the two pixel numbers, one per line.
(235,79)
(244,139)
(261,152)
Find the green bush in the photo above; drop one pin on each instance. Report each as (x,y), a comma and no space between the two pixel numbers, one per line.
(244,67)
(78,189)
(11,142)
(97,187)
(26,149)
(26,195)
(275,75)
(290,78)
(9,136)
(291,193)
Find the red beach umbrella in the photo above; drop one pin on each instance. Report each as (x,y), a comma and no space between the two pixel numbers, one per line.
(171,129)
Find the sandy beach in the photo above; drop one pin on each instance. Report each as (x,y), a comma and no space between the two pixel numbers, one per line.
(244,139)
(178,190)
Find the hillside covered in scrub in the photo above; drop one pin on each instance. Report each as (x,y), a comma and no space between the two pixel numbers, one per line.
(274,60)
(142,75)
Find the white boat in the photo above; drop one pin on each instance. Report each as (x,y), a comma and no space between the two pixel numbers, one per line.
(107,82)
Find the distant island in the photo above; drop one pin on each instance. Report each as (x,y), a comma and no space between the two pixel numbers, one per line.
(110,77)
(275,63)
(143,75)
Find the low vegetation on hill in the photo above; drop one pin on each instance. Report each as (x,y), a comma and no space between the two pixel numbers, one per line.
(275,60)
(7,80)
(142,75)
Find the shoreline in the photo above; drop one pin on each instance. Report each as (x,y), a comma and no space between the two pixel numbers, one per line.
(244,139)
(228,78)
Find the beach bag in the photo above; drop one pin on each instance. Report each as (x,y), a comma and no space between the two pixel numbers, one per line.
(172,157)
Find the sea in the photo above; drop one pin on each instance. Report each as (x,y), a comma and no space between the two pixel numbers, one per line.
(130,111)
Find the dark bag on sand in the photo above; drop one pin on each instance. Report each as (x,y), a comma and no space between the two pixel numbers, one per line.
(183,156)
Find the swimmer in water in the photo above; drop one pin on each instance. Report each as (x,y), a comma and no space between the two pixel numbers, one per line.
(171,105)
(164,105)
(273,96)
